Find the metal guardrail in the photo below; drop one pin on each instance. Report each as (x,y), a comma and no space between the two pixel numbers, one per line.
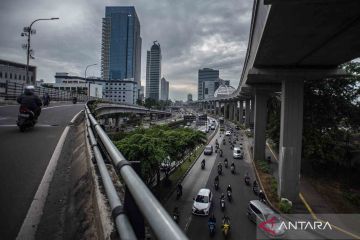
(158,219)
(11,90)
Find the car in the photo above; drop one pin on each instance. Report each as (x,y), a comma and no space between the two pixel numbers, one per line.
(213,127)
(208,150)
(259,213)
(237,153)
(202,202)
(227,133)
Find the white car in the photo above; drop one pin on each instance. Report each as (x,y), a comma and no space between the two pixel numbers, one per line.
(227,133)
(202,202)
(212,127)
(237,153)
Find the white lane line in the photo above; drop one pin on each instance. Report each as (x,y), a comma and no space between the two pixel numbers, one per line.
(37,125)
(33,216)
(45,108)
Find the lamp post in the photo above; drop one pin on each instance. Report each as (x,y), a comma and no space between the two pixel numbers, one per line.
(28,31)
(90,65)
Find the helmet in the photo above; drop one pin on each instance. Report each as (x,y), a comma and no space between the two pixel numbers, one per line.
(229,186)
(30,89)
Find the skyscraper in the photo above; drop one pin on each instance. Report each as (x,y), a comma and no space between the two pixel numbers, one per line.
(207,79)
(153,71)
(121,46)
(164,93)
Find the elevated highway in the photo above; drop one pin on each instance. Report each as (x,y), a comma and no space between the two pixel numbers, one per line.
(290,41)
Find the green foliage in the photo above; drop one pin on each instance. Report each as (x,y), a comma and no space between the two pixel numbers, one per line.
(273,186)
(352,197)
(151,146)
(331,114)
(285,206)
(264,167)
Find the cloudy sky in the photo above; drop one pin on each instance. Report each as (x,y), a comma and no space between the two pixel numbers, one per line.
(193,34)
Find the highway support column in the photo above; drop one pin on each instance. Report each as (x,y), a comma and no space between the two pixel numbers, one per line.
(260,111)
(226,109)
(247,112)
(241,112)
(291,124)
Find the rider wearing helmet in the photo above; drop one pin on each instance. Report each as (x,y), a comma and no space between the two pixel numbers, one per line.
(30,100)
(229,188)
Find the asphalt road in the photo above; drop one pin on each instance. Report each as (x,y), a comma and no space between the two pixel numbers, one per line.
(24,158)
(196,226)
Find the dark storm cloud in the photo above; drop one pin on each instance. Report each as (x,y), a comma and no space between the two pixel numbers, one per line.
(192,34)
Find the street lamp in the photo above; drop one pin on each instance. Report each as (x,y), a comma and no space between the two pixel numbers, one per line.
(90,65)
(27,32)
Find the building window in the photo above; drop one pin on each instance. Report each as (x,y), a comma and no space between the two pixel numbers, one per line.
(5,75)
(24,77)
(0,74)
(15,76)
(10,75)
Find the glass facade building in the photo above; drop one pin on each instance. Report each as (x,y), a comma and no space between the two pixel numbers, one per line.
(121,45)
(153,71)
(207,78)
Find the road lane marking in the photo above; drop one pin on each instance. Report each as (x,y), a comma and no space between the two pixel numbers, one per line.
(33,217)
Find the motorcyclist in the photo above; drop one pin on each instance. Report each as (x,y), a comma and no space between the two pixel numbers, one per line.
(247,178)
(232,165)
(179,188)
(203,163)
(30,100)
(212,219)
(261,196)
(222,196)
(219,166)
(216,180)
(46,99)
(226,162)
(229,189)
(176,212)
(225,221)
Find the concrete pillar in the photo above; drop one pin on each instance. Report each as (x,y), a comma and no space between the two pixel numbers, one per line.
(213,107)
(226,115)
(252,111)
(234,105)
(247,112)
(231,111)
(260,110)
(291,123)
(241,112)
(217,107)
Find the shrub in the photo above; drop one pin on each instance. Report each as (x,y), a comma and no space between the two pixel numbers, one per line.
(273,186)
(285,206)
(264,167)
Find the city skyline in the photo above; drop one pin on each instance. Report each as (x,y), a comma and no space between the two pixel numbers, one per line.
(217,39)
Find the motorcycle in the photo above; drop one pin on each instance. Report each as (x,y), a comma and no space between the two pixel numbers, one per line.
(176,217)
(225,228)
(247,180)
(74,100)
(46,102)
(211,228)
(178,193)
(202,165)
(229,196)
(219,171)
(256,189)
(26,119)
(222,204)
(232,169)
(216,185)
(226,163)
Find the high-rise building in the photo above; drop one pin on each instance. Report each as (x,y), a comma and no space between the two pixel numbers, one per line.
(153,71)
(189,97)
(164,89)
(207,79)
(121,47)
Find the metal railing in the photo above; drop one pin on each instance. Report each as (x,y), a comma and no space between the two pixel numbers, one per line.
(11,90)
(156,216)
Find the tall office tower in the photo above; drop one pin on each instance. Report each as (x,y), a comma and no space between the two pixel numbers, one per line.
(121,46)
(153,71)
(207,78)
(164,93)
